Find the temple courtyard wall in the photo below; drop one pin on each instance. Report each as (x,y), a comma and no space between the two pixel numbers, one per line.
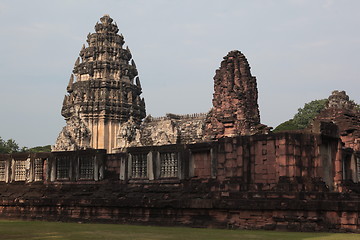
(287,181)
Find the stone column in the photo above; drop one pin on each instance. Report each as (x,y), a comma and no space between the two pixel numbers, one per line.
(150,166)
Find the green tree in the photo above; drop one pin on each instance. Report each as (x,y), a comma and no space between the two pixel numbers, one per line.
(303,117)
(308,112)
(9,146)
(46,148)
(288,125)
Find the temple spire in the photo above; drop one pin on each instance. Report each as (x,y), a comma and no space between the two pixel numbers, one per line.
(235,109)
(105,73)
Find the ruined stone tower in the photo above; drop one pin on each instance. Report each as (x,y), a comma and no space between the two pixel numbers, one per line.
(345,113)
(103,92)
(235,109)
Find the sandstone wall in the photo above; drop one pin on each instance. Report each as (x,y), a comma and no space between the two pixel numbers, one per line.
(275,181)
(189,203)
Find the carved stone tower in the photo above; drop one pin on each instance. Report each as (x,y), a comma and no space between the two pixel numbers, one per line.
(103,92)
(235,109)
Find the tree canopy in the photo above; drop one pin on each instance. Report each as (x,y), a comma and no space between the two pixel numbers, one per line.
(9,146)
(46,148)
(303,117)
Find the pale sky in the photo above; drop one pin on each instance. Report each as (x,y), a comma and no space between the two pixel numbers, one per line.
(299,50)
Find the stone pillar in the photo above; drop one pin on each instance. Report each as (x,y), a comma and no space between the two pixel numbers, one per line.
(52,169)
(29,166)
(123,169)
(354,168)
(213,162)
(150,166)
(180,173)
(338,165)
(129,163)
(8,171)
(157,165)
(97,164)
(191,164)
(12,178)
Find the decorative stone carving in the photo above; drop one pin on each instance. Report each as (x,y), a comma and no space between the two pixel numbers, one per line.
(74,136)
(128,135)
(101,91)
(168,165)
(139,166)
(171,129)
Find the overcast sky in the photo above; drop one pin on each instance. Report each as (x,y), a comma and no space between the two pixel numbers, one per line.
(299,50)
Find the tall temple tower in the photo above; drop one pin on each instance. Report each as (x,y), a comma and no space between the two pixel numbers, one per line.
(103,92)
(235,109)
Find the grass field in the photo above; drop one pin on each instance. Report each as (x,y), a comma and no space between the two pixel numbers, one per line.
(19,230)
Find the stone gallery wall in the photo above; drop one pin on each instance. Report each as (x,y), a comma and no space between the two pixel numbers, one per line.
(275,181)
(192,203)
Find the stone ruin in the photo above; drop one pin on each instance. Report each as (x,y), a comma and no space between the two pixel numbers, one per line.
(235,112)
(235,109)
(220,169)
(103,108)
(343,112)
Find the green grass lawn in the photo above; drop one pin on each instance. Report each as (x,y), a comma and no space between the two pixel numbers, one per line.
(55,230)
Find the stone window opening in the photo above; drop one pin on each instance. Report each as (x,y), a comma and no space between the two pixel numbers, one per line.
(139,166)
(86,165)
(63,168)
(2,171)
(20,170)
(168,165)
(38,169)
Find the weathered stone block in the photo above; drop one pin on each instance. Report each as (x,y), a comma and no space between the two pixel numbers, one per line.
(231,163)
(239,150)
(221,158)
(230,155)
(229,147)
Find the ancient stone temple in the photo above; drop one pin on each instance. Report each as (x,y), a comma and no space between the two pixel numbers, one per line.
(345,114)
(219,169)
(235,109)
(235,112)
(103,92)
(103,108)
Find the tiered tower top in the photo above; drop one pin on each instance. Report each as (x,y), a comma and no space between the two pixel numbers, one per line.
(106,25)
(103,91)
(105,57)
(113,88)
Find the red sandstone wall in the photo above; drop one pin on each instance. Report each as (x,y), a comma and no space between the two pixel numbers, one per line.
(189,203)
(264,159)
(273,181)
(202,164)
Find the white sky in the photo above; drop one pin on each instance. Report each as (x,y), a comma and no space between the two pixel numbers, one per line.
(299,50)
